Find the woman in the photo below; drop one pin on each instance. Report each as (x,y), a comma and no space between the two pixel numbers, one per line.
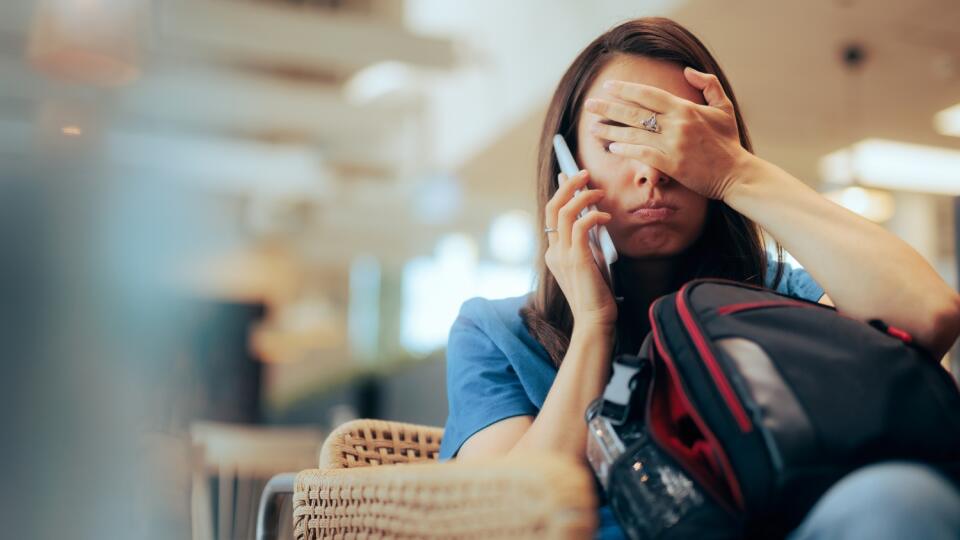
(667,160)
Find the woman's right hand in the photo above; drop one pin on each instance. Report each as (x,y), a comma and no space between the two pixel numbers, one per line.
(569,257)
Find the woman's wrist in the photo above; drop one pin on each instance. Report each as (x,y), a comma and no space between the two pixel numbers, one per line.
(596,338)
(594,330)
(750,172)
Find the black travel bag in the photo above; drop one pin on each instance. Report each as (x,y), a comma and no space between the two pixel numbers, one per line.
(743,406)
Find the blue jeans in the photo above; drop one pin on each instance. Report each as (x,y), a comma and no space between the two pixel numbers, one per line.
(893,500)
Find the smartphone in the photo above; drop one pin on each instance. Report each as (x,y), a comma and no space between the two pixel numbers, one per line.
(600,242)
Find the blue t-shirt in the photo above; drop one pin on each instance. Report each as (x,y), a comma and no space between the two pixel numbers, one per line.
(497,370)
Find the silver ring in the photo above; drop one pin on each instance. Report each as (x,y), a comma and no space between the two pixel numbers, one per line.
(549,230)
(650,124)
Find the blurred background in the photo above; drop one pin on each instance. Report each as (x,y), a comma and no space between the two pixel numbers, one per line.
(227,226)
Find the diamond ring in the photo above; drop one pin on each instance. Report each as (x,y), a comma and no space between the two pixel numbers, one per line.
(650,124)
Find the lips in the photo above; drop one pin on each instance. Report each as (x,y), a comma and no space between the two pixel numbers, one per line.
(652,212)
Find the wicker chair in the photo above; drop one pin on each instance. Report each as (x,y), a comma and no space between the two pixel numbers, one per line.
(380,479)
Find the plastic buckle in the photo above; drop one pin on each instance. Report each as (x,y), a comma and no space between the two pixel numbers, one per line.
(618,393)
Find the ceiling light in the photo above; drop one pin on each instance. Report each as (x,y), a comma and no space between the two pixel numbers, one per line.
(947,121)
(895,165)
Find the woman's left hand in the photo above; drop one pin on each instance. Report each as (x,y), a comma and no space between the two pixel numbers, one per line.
(697,145)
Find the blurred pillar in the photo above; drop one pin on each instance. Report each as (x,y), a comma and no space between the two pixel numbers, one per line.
(391,311)
(364,311)
(368,392)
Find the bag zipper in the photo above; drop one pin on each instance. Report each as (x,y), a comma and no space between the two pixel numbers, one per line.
(894,331)
(748,306)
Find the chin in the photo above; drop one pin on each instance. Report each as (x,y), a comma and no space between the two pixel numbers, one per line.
(653,243)
(652,252)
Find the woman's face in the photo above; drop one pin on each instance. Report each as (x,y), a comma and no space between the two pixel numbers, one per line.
(630,184)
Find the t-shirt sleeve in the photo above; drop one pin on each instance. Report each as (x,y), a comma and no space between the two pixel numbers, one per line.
(795,282)
(482,385)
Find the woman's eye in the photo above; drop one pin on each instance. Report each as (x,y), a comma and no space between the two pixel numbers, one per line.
(606,145)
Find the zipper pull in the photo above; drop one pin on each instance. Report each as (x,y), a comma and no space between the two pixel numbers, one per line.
(898,333)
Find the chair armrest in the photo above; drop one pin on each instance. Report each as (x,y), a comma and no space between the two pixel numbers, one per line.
(268,514)
(366,442)
(532,496)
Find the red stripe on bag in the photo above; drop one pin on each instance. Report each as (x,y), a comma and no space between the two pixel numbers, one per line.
(728,471)
(723,385)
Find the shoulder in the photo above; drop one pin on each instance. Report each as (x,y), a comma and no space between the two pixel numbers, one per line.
(499,319)
(794,281)
(489,336)
(502,311)
(492,373)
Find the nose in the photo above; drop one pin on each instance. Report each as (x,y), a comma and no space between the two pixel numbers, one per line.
(645,175)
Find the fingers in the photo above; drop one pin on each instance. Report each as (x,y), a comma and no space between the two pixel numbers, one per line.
(648,97)
(711,88)
(581,228)
(563,195)
(653,157)
(629,135)
(570,212)
(624,114)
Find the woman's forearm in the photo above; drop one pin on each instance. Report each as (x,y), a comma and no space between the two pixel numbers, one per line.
(868,272)
(583,374)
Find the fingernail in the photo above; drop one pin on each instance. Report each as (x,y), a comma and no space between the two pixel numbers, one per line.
(608,85)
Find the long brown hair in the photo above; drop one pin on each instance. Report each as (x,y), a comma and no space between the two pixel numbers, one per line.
(731,245)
